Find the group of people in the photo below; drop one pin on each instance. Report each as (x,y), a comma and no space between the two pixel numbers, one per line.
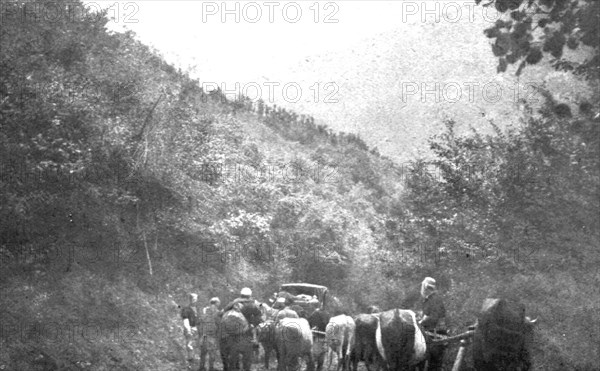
(200,330)
(200,325)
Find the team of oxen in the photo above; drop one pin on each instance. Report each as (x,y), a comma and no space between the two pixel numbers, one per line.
(389,340)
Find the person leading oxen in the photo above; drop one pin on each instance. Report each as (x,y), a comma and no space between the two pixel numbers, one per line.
(434,311)
(433,321)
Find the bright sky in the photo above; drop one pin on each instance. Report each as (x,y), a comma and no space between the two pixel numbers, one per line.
(267,36)
(368,48)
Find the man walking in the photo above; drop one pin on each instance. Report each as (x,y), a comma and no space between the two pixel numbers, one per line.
(207,330)
(237,304)
(190,332)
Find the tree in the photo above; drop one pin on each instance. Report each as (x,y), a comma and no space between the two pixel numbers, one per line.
(532,29)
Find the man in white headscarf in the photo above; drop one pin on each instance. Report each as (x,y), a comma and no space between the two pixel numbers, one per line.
(434,311)
(434,315)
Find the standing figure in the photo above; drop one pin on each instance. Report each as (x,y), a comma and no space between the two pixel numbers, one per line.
(434,315)
(236,335)
(189,316)
(244,298)
(208,332)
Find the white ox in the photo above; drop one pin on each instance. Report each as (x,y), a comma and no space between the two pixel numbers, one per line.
(340,338)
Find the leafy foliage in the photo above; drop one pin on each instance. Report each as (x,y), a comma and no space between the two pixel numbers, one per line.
(534,28)
(517,203)
(529,189)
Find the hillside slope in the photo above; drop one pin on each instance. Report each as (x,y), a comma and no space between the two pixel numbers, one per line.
(125,186)
(396,89)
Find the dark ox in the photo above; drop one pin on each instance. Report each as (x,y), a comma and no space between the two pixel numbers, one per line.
(318,321)
(501,337)
(236,335)
(365,345)
(399,339)
(266,337)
